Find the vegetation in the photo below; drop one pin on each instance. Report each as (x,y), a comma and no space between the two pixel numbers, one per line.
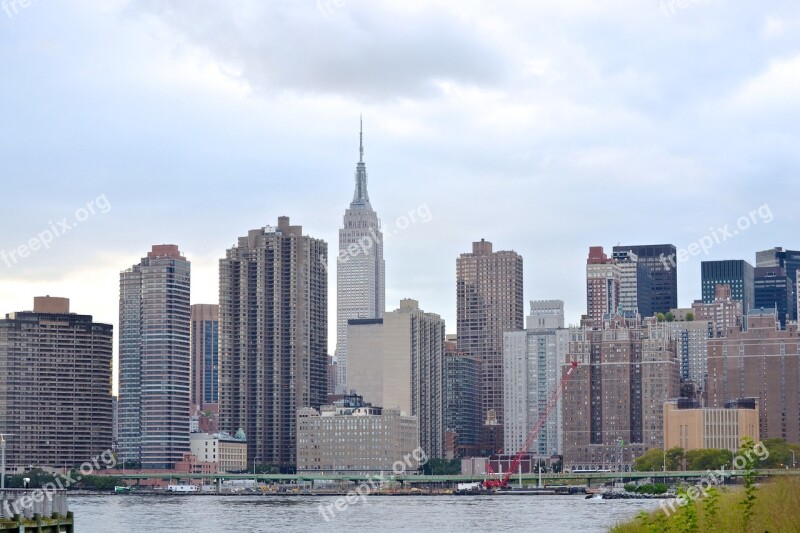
(772,511)
(707,459)
(766,508)
(647,488)
(676,459)
(780,454)
(690,316)
(662,317)
(441,467)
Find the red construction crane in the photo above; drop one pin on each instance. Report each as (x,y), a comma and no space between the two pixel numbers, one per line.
(532,434)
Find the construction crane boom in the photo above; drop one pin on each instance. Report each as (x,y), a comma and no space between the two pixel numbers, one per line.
(533,433)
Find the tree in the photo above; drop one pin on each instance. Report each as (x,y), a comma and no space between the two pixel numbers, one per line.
(707,459)
(690,316)
(669,317)
(675,457)
(660,317)
(650,461)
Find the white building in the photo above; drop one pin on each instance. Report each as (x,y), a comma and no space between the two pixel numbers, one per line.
(360,269)
(230,453)
(531,373)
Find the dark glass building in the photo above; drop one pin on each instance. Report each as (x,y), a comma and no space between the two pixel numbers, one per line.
(462,400)
(660,260)
(773,290)
(789,260)
(737,273)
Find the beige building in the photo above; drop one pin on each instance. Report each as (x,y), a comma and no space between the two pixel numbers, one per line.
(229,453)
(397,362)
(693,428)
(724,312)
(354,437)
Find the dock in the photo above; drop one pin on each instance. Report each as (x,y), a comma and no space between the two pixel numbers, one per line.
(40,510)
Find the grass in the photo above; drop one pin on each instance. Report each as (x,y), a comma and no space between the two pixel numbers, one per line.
(776,509)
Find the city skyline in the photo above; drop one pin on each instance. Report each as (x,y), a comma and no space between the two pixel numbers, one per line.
(524,125)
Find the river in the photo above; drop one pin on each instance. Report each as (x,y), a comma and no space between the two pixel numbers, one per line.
(193,513)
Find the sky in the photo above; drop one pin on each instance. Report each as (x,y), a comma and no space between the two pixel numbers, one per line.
(544,127)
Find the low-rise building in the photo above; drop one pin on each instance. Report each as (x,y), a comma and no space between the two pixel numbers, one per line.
(688,426)
(229,453)
(354,437)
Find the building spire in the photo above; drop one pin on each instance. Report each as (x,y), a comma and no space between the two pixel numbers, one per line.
(360,196)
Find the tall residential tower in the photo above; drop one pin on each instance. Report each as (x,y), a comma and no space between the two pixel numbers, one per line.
(273,346)
(154,360)
(360,270)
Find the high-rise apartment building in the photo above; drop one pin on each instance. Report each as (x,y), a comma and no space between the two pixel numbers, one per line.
(723,311)
(154,359)
(661,262)
(532,373)
(613,403)
(789,260)
(635,284)
(489,303)
(462,401)
(205,354)
(759,361)
(737,273)
(273,357)
(360,269)
(773,289)
(397,361)
(602,284)
(55,386)
(691,345)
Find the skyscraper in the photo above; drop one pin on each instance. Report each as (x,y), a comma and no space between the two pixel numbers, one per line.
(613,404)
(532,373)
(273,303)
(462,401)
(154,358)
(773,289)
(603,278)
(489,303)
(737,273)
(635,285)
(789,260)
(660,261)
(205,354)
(360,269)
(397,361)
(55,385)
(759,361)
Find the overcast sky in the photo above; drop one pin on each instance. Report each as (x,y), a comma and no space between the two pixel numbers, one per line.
(545,127)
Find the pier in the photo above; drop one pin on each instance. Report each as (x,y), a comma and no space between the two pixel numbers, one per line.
(40,510)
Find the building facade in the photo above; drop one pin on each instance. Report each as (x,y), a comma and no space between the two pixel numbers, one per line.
(789,261)
(602,284)
(759,361)
(227,452)
(691,345)
(55,386)
(661,262)
(360,268)
(462,401)
(613,403)
(635,284)
(489,302)
(532,373)
(692,428)
(154,359)
(773,289)
(353,437)
(205,355)
(724,312)
(397,361)
(738,274)
(273,304)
